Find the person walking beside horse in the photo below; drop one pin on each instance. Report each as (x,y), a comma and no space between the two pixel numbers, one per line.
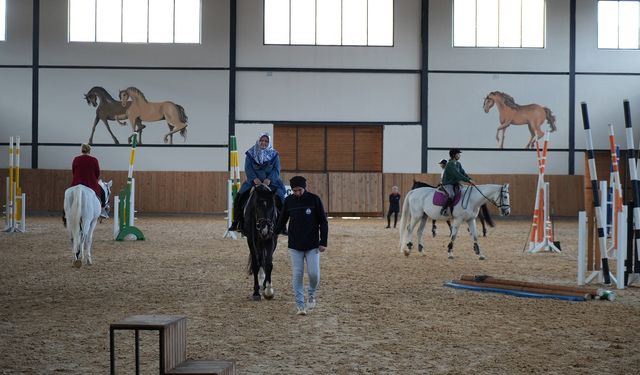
(452,176)
(308,232)
(262,167)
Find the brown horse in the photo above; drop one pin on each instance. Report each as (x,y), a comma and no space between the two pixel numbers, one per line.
(141,109)
(108,109)
(511,113)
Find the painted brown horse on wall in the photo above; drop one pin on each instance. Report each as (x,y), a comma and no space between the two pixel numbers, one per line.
(139,108)
(108,109)
(533,115)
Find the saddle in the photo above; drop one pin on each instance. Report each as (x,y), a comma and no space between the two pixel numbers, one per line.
(440,197)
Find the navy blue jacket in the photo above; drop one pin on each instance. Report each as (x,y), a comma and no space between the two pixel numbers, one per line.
(308,226)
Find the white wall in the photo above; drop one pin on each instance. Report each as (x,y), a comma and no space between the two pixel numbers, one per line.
(197,77)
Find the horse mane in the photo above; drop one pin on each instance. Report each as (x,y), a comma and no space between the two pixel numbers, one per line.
(137,91)
(100,91)
(419,184)
(508,99)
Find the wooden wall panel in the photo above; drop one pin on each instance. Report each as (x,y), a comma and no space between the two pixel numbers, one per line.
(340,148)
(355,193)
(341,192)
(285,141)
(368,149)
(311,144)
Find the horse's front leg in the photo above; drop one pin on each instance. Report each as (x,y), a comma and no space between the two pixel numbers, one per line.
(93,130)
(454,234)
(106,124)
(268,287)
(474,235)
(433,228)
(502,129)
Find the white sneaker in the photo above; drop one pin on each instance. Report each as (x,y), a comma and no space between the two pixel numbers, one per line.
(301,311)
(311,303)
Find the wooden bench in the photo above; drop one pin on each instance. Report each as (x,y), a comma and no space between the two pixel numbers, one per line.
(172,346)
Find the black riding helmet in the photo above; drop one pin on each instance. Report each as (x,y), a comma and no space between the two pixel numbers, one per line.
(454,151)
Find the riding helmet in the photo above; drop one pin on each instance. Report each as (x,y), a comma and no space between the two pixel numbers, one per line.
(454,151)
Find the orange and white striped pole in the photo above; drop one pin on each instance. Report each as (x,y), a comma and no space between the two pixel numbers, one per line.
(617,187)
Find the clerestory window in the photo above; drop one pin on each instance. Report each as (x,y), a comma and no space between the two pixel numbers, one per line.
(135,21)
(3,20)
(328,22)
(618,24)
(499,23)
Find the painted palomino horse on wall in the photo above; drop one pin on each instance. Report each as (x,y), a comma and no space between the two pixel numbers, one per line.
(533,115)
(108,109)
(142,109)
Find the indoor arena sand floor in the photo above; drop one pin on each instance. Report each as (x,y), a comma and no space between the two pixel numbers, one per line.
(378,311)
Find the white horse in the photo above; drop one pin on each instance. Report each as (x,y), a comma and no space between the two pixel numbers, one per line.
(418,206)
(82,210)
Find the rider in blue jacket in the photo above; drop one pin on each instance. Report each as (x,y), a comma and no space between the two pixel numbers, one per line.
(262,166)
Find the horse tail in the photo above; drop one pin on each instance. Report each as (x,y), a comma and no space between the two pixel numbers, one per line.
(484,212)
(550,118)
(182,114)
(75,216)
(404,215)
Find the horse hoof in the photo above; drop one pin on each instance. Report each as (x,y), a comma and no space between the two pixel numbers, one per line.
(406,253)
(256,298)
(482,257)
(268,294)
(77,263)
(450,256)
(422,253)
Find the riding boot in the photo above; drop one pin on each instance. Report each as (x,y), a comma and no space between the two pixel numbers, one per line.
(236,225)
(388,221)
(443,212)
(280,208)
(104,212)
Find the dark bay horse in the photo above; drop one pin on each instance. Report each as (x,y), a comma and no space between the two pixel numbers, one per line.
(260,219)
(109,109)
(484,213)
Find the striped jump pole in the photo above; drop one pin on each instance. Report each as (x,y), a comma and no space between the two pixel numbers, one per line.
(124,203)
(615,186)
(15,208)
(599,214)
(632,262)
(233,184)
(541,229)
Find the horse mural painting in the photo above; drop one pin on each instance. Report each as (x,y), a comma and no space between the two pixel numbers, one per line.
(534,115)
(483,215)
(260,219)
(108,109)
(419,205)
(142,109)
(82,210)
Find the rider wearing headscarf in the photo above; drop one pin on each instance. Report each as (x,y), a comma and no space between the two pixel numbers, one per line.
(262,166)
(452,176)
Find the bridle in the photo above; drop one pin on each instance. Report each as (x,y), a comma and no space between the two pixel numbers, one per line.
(504,191)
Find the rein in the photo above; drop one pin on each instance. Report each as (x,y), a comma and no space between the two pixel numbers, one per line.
(491,200)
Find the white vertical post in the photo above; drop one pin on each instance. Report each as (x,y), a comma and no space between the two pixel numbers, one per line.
(582,239)
(622,247)
(116,217)
(132,203)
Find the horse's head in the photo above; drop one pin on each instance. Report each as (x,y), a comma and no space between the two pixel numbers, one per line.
(488,103)
(504,202)
(106,188)
(264,212)
(124,97)
(91,99)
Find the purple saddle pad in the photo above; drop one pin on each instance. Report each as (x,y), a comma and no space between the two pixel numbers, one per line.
(440,198)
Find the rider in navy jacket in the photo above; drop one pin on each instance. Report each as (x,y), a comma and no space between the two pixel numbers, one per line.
(308,226)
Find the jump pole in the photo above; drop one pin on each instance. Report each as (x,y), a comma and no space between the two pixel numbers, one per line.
(15,208)
(124,203)
(233,184)
(632,263)
(541,229)
(600,222)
